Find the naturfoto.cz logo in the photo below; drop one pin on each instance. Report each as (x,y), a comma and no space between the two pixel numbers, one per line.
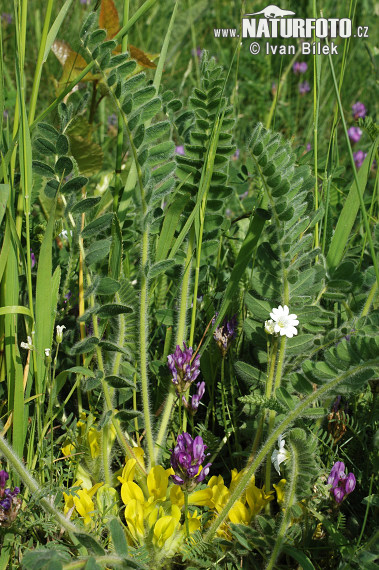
(277,23)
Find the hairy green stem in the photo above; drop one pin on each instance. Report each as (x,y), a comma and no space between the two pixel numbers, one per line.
(180,338)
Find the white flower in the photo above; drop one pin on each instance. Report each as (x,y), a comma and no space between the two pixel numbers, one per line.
(47,352)
(59,336)
(284,323)
(279,455)
(270,326)
(27,345)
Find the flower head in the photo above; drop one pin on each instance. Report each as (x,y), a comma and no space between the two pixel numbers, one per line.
(186,460)
(10,503)
(355,134)
(280,455)
(304,88)
(47,352)
(184,368)
(224,334)
(195,400)
(299,67)
(283,322)
(27,345)
(359,157)
(341,484)
(59,335)
(359,110)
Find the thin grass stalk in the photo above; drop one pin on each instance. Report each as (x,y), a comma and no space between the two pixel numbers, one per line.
(38,70)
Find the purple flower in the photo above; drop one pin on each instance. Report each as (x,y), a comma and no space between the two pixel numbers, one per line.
(184,368)
(3,478)
(236,155)
(186,460)
(9,502)
(244,195)
(86,2)
(359,157)
(309,147)
(180,150)
(341,484)
(355,134)
(299,67)
(198,51)
(6,17)
(32,258)
(304,88)
(224,335)
(195,400)
(359,110)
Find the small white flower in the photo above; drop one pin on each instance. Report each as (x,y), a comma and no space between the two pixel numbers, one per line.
(284,323)
(47,352)
(279,455)
(59,335)
(270,326)
(27,345)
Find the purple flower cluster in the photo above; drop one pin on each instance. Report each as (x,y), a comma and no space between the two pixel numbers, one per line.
(224,335)
(304,88)
(184,368)
(299,67)
(186,460)
(9,502)
(359,110)
(195,399)
(359,157)
(355,134)
(341,483)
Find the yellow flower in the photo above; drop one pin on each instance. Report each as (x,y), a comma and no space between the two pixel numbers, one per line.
(194,522)
(131,491)
(164,530)
(84,504)
(279,488)
(157,482)
(257,498)
(93,438)
(134,516)
(239,514)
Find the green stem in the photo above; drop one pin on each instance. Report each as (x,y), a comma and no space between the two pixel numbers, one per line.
(180,338)
(223,403)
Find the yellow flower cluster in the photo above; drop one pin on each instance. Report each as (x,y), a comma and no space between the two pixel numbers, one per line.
(153,510)
(251,502)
